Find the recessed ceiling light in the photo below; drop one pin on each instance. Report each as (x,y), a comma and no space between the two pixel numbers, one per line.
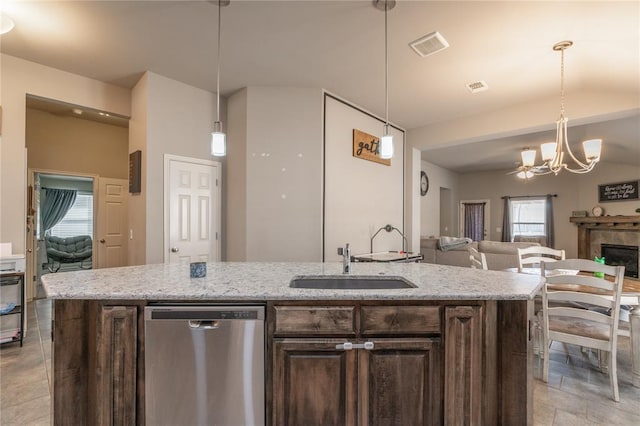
(6,24)
(477,86)
(104,114)
(77,111)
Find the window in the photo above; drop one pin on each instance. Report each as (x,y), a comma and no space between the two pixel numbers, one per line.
(528,217)
(78,220)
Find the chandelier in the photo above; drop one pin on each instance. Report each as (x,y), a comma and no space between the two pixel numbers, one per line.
(553,153)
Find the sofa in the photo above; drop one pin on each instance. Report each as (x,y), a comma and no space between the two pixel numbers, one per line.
(499,255)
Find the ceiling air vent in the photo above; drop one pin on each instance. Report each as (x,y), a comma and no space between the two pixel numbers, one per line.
(477,86)
(429,44)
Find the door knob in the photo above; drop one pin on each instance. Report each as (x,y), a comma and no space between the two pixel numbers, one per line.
(174,249)
(29,251)
(102,240)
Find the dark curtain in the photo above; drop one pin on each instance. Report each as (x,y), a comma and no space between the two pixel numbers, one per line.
(548,221)
(506,221)
(474,221)
(56,204)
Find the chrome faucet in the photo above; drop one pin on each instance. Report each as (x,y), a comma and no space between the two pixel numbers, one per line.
(345,252)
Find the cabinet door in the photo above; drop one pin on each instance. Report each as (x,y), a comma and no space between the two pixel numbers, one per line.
(399,382)
(463,365)
(313,383)
(115,365)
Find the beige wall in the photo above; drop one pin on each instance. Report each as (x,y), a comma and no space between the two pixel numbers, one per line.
(137,207)
(169,117)
(575,192)
(75,145)
(430,203)
(360,196)
(19,78)
(274,184)
(235,231)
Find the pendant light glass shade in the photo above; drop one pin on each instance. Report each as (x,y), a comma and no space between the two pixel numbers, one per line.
(592,149)
(218,140)
(386,144)
(528,157)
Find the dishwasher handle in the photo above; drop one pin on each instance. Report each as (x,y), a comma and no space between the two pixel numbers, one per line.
(204,325)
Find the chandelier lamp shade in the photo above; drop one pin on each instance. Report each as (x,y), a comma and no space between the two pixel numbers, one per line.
(555,154)
(386,141)
(218,138)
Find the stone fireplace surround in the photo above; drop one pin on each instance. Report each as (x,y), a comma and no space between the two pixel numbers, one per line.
(593,231)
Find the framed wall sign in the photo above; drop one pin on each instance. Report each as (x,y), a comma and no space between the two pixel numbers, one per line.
(622,191)
(367,147)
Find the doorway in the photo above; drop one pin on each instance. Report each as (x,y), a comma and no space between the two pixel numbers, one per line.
(474,219)
(63,207)
(71,143)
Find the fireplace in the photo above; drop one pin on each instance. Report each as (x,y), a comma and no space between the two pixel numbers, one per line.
(627,256)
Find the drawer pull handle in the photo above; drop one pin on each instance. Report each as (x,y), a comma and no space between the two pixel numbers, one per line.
(347,346)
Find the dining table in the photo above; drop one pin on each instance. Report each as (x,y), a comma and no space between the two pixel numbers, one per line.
(630,297)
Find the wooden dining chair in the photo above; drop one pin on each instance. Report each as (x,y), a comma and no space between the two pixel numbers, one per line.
(582,310)
(478,260)
(531,257)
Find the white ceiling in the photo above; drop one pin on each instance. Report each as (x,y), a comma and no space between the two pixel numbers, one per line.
(339,46)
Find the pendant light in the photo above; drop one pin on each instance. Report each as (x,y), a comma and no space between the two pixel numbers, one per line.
(218,138)
(386,141)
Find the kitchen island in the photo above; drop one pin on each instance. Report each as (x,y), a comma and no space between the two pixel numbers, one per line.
(454,349)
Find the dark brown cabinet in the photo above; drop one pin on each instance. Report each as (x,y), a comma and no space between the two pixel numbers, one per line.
(314,383)
(96,348)
(463,365)
(115,365)
(364,379)
(399,382)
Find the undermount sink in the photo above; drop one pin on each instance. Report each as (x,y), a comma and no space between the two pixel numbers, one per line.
(347,282)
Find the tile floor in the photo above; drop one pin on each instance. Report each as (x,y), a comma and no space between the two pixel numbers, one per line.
(577,394)
(25,372)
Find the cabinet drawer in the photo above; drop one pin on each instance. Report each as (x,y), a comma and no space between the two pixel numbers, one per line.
(314,320)
(381,320)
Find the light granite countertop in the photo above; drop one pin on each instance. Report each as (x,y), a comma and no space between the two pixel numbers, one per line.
(257,281)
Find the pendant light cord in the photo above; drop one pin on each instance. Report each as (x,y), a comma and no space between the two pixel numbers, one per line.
(218,60)
(562,82)
(386,67)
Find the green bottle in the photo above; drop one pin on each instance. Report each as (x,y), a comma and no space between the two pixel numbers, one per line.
(599,260)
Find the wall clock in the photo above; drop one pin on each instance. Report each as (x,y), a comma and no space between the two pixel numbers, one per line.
(424,183)
(597,211)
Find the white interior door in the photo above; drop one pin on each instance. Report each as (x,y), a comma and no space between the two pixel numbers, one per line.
(193,210)
(111,235)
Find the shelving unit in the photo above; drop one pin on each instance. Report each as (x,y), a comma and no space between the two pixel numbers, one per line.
(12,322)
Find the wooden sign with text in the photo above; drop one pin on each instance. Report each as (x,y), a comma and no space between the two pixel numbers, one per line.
(367,147)
(623,191)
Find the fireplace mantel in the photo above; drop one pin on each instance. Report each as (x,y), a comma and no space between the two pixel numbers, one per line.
(608,222)
(604,223)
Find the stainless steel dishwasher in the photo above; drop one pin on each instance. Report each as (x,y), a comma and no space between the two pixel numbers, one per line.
(204,365)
